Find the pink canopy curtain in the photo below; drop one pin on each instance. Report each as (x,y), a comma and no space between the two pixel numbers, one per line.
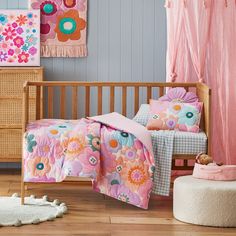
(207,51)
(175,28)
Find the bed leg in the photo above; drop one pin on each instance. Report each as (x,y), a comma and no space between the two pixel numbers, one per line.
(22,193)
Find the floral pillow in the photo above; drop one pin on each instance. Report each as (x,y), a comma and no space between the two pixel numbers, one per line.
(181,116)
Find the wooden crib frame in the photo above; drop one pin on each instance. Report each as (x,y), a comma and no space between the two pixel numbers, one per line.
(202,90)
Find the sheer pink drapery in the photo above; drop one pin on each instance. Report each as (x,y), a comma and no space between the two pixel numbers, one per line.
(174,27)
(207,51)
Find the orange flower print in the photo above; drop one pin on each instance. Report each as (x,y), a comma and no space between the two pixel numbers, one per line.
(75,145)
(21,20)
(158,122)
(134,174)
(69,26)
(137,175)
(39,166)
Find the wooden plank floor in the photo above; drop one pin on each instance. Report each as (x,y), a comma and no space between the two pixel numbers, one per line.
(91,214)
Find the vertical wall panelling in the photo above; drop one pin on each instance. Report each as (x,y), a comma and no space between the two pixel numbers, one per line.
(126,42)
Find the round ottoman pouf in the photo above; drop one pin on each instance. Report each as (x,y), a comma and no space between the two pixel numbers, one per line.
(205,202)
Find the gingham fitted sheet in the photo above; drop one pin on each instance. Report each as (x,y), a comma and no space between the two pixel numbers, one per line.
(188,143)
(167,143)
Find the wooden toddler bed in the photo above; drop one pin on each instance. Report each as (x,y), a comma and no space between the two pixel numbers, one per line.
(128,93)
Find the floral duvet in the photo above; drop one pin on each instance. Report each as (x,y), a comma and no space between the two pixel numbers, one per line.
(112,150)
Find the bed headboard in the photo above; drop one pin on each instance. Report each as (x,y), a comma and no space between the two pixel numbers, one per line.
(128,93)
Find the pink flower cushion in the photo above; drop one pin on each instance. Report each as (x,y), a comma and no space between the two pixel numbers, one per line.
(166,115)
(179,95)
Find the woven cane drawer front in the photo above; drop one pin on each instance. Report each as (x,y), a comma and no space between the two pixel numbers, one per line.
(10,143)
(11,93)
(11,84)
(11,112)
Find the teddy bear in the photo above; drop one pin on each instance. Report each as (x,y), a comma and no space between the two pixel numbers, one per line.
(204,159)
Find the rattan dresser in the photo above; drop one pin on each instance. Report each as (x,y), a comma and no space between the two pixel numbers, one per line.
(11,90)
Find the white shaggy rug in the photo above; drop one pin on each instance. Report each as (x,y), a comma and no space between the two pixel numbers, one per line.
(35,210)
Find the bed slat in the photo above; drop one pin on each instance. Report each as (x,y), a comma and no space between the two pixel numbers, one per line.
(38,102)
(161,91)
(50,102)
(87,101)
(112,98)
(74,102)
(100,100)
(124,100)
(63,100)
(149,94)
(136,99)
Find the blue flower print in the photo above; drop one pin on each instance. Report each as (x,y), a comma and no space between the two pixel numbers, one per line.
(3,19)
(31,143)
(25,47)
(125,139)
(189,115)
(31,40)
(30,15)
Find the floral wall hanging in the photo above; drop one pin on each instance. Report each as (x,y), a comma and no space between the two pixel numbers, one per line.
(63,27)
(19,38)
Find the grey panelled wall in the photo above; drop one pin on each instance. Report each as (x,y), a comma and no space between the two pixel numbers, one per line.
(126,42)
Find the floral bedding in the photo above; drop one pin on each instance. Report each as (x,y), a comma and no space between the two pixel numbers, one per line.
(119,164)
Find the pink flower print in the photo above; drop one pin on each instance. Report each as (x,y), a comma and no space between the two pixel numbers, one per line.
(33,51)
(90,161)
(4,46)
(23,57)
(17,51)
(11,52)
(171,122)
(19,30)
(179,95)
(3,56)
(14,25)
(124,194)
(129,153)
(18,41)
(45,147)
(145,191)
(49,10)
(9,33)
(108,161)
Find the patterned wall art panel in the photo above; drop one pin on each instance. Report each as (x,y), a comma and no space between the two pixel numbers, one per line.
(19,38)
(63,27)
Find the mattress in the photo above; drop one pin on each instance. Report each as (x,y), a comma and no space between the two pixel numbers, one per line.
(184,142)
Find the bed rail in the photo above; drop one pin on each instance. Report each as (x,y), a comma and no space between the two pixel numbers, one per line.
(45,94)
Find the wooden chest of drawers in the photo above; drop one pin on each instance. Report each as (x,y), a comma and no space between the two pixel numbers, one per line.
(11,90)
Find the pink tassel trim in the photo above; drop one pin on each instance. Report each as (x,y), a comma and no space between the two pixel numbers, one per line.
(63,51)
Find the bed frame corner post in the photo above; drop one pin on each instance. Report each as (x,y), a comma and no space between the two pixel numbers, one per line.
(24,123)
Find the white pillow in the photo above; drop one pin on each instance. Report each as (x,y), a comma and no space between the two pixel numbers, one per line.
(142,115)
